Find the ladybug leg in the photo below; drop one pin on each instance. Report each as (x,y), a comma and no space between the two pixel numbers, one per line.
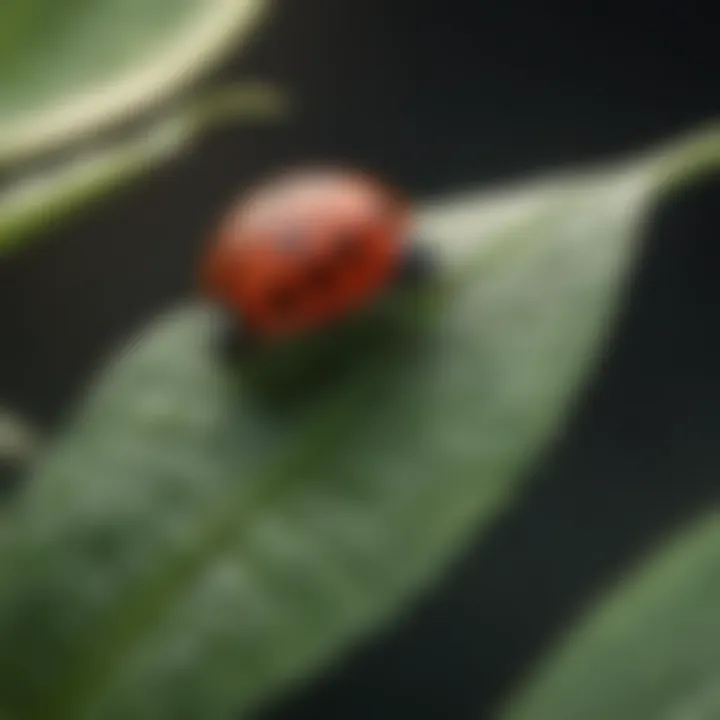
(232,339)
(417,263)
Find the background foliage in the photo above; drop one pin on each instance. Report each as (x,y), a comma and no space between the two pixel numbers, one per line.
(127,566)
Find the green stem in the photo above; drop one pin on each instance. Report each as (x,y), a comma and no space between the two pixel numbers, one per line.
(39,201)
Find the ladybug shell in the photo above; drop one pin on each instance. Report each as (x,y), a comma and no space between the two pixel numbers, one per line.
(306,249)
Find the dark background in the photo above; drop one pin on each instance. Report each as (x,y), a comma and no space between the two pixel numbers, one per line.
(436,96)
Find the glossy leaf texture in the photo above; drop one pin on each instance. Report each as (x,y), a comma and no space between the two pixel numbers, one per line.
(651,652)
(207,532)
(76,67)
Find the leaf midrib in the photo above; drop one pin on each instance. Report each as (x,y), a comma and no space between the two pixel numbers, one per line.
(99,663)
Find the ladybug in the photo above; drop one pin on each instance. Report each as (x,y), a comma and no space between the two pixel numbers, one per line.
(307,248)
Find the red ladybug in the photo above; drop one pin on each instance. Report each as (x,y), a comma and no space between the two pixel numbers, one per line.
(306,249)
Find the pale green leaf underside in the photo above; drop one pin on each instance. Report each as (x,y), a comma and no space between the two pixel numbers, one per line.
(70,67)
(651,653)
(189,547)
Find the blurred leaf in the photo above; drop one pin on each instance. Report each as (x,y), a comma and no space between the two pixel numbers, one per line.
(35,201)
(17,438)
(18,444)
(198,539)
(77,66)
(651,653)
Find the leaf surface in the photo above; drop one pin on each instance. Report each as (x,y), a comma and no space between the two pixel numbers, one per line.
(206,532)
(78,66)
(652,652)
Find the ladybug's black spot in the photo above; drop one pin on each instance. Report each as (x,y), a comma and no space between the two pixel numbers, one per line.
(281,300)
(319,274)
(349,247)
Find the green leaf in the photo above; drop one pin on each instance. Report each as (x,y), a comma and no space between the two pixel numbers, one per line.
(207,532)
(17,438)
(651,653)
(36,201)
(19,443)
(78,66)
